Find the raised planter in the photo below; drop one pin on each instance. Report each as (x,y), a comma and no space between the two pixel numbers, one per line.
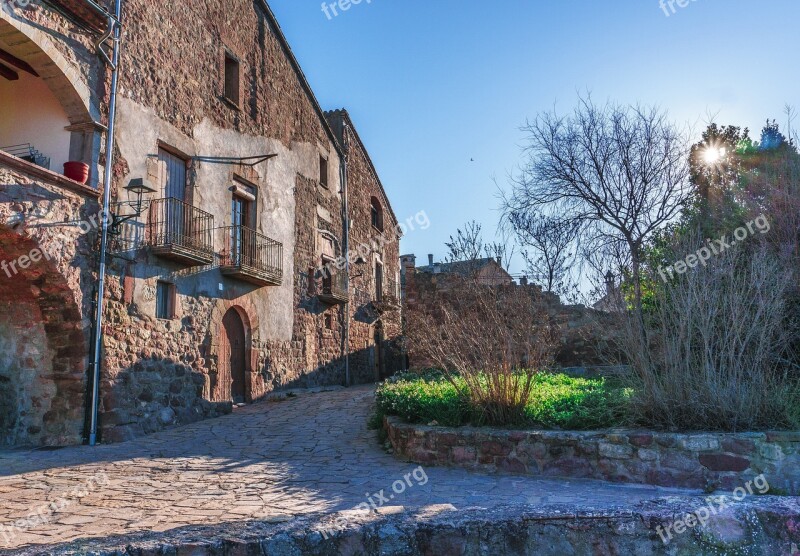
(691,460)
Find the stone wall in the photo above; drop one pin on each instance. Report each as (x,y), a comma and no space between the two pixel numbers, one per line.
(586,336)
(693,460)
(764,526)
(46,282)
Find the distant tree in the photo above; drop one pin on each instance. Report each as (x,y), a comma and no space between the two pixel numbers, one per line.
(716,165)
(549,247)
(466,245)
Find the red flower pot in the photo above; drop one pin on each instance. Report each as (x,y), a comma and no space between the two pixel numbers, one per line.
(77,171)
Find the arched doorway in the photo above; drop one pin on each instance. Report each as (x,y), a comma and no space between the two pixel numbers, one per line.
(379,355)
(233,357)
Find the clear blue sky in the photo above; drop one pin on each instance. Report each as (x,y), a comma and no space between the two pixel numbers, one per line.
(432,84)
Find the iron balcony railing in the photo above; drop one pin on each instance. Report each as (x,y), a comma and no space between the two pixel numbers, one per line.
(28,152)
(386,293)
(251,256)
(180,231)
(334,288)
(390,291)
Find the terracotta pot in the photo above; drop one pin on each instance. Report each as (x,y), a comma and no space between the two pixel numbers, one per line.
(77,171)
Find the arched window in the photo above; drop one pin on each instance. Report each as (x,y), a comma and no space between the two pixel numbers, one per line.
(377,214)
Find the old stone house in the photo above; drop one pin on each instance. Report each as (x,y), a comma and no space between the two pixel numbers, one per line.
(487,271)
(253,246)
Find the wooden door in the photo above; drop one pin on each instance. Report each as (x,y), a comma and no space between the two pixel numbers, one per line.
(232,358)
(378,359)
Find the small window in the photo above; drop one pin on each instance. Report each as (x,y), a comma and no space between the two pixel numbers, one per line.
(231,79)
(323,172)
(378,282)
(377,214)
(329,321)
(165,300)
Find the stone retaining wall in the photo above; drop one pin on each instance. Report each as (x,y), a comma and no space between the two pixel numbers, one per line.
(759,526)
(697,460)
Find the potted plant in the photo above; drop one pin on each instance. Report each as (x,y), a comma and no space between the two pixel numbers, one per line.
(77,171)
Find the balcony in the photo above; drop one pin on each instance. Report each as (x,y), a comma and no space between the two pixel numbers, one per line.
(251,257)
(386,295)
(180,232)
(334,289)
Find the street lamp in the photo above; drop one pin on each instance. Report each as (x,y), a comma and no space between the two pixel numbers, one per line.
(139,189)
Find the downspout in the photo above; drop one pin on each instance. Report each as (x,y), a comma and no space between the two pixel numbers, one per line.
(346,249)
(115,31)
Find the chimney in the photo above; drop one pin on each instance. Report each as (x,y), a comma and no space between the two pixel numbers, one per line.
(499,260)
(430,261)
(523,281)
(408,264)
(610,283)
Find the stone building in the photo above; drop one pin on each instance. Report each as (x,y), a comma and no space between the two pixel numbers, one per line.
(233,270)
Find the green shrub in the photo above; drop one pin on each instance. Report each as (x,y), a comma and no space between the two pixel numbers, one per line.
(557,402)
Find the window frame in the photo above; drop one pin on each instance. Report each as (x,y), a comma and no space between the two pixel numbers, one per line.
(324,172)
(171,300)
(376,213)
(228,81)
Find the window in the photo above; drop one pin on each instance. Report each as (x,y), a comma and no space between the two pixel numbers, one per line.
(231,78)
(328,321)
(323,172)
(378,282)
(327,275)
(165,300)
(377,214)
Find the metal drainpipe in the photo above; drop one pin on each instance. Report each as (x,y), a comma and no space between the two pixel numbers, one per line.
(101,285)
(346,249)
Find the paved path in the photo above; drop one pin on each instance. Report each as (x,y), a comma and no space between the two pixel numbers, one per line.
(271,460)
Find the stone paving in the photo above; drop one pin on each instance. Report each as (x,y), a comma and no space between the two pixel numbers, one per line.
(274,460)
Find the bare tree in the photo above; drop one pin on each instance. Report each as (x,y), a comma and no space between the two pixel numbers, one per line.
(466,245)
(501,252)
(549,247)
(622,171)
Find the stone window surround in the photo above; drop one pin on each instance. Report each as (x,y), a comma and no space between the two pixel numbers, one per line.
(226,55)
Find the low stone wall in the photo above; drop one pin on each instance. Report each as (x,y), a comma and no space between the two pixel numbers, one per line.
(697,460)
(758,526)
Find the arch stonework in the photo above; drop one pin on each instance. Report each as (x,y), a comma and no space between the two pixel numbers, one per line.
(249,315)
(39,214)
(36,47)
(41,292)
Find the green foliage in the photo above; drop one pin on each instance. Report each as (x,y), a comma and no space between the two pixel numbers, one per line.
(558,402)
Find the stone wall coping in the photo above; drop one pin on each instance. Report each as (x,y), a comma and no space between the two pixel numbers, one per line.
(49,176)
(765,524)
(770,436)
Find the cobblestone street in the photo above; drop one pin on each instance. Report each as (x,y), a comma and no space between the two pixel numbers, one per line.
(272,460)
